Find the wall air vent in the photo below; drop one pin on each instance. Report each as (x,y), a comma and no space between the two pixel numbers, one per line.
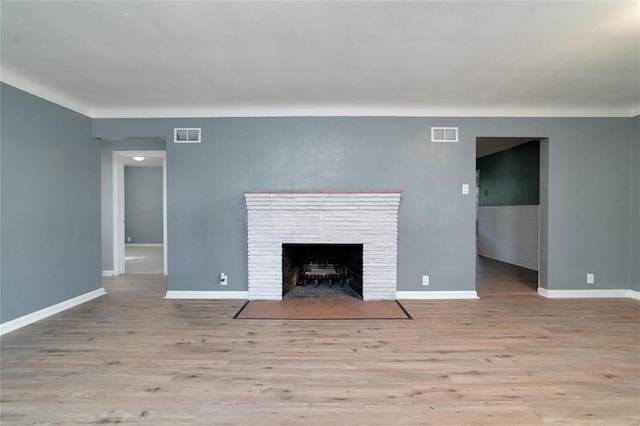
(184,135)
(444,134)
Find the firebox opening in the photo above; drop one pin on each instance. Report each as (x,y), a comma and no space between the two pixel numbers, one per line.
(321,270)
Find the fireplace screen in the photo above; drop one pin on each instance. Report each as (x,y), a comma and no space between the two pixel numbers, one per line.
(321,270)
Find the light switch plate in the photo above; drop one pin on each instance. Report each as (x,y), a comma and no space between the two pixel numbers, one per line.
(465,188)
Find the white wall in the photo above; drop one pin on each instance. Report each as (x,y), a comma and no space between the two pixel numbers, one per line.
(509,234)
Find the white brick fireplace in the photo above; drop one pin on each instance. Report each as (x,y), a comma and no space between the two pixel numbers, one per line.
(369,218)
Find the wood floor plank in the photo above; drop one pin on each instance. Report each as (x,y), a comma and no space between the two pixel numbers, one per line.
(512,357)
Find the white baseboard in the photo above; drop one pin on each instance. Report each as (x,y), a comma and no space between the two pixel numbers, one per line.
(108,273)
(143,245)
(581,294)
(173,294)
(437,295)
(25,320)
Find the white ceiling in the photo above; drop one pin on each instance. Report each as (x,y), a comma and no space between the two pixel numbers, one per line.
(234,58)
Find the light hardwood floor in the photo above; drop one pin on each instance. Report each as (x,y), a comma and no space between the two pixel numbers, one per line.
(131,357)
(499,279)
(143,259)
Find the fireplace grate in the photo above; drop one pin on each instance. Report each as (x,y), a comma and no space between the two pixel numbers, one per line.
(333,267)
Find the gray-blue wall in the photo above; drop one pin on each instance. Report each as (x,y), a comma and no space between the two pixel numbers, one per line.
(589,182)
(50,191)
(107,148)
(143,205)
(634,261)
(588,209)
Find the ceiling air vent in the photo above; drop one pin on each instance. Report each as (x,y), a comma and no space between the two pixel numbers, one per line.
(444,134)
(184,135)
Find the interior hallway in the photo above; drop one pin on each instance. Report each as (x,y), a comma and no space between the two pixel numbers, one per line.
(143,259)
(497,279)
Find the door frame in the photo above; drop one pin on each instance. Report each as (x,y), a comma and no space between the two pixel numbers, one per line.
(118,207)
(543,211)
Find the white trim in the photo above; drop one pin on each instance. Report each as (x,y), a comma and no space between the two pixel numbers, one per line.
(309,110)
(437,295)
(25,320)
(118,213)
(174,294)
(164,216)
(143,245)
(582,294)
(118,206)
(109,273)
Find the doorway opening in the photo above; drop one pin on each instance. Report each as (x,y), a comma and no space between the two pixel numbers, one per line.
(511,215)
(139,230)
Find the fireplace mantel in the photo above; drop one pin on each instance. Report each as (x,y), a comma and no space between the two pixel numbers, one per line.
(324,191)
(367,217)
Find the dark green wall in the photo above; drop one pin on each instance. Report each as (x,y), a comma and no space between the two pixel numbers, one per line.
(511,177)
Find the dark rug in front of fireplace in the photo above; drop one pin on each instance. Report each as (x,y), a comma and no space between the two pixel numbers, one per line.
(341,308)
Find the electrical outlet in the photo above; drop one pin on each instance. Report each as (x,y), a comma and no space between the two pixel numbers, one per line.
(223,278)
(465,188)
(590,278)
(425,280)
(128,239)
